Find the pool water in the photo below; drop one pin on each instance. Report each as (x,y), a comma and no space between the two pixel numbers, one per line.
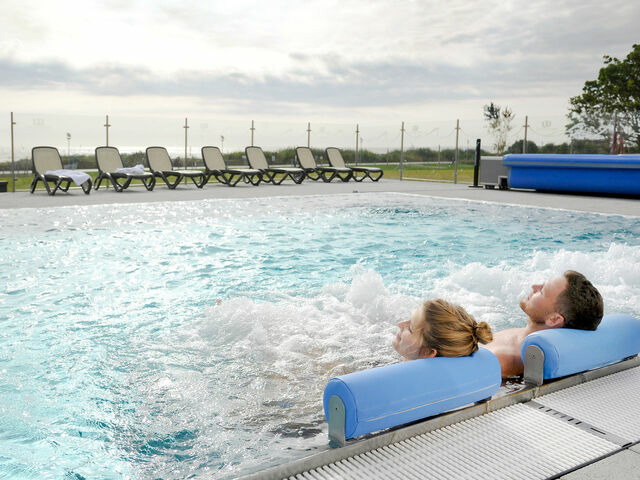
(194,339)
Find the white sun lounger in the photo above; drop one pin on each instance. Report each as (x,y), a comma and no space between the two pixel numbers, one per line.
(111,168)
(47,167)
(216,166)
(257,160)
(161,166)
(334,155)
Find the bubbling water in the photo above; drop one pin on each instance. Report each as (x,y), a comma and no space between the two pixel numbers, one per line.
(181,340)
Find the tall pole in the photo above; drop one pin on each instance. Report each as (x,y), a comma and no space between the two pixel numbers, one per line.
(252,130)
(309,135)
(106,126)
(526,127)
(186,127)
(222,143)
(615,133)
(401,150)
(13,158)
(357,141)
(455,166)
(68,147)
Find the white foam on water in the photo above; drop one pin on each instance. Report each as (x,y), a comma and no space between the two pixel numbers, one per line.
(272,359)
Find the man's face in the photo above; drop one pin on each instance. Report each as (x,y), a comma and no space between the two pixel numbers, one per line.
(540,304)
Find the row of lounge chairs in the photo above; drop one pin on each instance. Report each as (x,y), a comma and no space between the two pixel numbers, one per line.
(47,168)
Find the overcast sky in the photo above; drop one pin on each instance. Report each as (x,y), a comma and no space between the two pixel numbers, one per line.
(331,61)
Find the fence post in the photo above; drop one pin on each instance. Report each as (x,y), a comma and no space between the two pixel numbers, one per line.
(106,126)
(13,159)
(186,127)
(455,166)
(401,150)
(357,141)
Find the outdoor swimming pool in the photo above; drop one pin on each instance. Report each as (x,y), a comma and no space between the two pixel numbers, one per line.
(194,339)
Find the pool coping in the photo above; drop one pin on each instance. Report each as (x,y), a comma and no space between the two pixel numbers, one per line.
(328,455)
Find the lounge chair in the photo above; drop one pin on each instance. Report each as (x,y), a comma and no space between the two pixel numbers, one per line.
(215,166)
(109,163)
(47,167)
(161,166)
(335,160)
(258,161)
(304,155)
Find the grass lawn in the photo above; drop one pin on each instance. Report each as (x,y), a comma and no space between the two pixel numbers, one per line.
(410,172)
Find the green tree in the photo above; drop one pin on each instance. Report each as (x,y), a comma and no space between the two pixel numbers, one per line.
(499,121)
(516,147)
(615,93)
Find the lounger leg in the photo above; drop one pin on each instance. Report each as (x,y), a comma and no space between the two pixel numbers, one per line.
(86,187)
(199,183)
(253,178)
(298,178)
(380,173)
(269,177)
(117,186)
(98,181)
(65,188)
(282,179)
(170,185)
(34,182)
(234,178)
(149,183)
(126,183)
(46,185)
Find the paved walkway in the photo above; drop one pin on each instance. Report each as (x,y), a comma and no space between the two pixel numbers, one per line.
(612,205)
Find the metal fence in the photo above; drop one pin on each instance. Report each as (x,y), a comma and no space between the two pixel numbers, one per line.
(432,144)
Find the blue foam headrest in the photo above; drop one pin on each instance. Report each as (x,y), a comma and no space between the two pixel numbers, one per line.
(404,392)
(568,351)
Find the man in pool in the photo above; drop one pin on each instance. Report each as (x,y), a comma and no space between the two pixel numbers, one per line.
(566,301)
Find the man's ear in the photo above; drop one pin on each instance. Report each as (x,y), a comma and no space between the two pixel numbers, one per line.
(554,320)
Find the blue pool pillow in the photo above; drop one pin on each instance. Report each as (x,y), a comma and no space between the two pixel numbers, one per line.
(568,351)
(404,392)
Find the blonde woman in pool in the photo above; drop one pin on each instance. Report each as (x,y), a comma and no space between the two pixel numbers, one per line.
(440,329)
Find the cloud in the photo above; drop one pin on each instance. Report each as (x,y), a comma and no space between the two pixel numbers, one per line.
(348,53)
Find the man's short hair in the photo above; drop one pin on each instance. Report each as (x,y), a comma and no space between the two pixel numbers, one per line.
(580,303)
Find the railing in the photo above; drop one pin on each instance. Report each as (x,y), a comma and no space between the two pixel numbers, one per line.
(441,151)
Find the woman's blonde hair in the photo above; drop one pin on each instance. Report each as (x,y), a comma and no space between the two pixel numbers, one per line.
(451,331)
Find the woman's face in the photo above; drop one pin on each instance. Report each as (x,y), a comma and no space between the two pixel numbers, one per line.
(408,341)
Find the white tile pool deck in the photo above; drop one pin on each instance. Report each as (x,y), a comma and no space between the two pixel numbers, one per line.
(622,465)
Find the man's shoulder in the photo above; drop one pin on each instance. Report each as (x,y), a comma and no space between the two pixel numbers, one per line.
(510,335)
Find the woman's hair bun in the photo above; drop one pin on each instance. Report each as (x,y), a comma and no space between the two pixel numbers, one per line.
(483,332)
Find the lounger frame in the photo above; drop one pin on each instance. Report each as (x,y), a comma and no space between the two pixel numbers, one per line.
(48,158)
(216,166)
(306,161)
(108,160)
(258,161)
(160,164)
(334,157)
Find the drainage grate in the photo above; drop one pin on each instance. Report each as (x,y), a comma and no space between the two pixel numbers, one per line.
(587,427)
(514,442)
(611,403)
